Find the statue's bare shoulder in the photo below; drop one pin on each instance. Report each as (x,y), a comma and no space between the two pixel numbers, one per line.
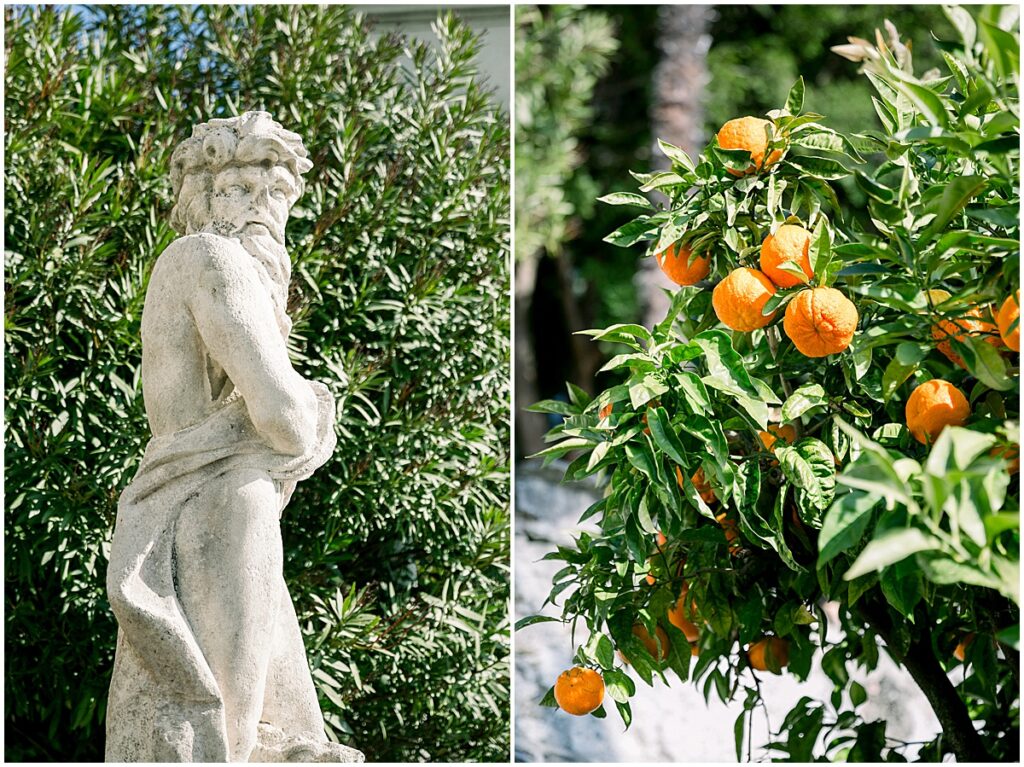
(202,260)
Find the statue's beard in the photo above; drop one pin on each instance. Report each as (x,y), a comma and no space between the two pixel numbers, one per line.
(276,272)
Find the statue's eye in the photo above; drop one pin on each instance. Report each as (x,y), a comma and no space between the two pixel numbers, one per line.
(237,189)
(279,194)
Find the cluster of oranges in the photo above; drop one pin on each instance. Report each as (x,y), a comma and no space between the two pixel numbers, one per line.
(937,403)
(822,321)
(819,321)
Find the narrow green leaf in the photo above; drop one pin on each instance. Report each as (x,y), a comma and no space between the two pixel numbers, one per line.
(844,525)
(888,548)
(895,374)
(644,388)
(619,686)
(739,728)
(902,586)
(664,435)
(819,167)
(605,654)
(532,619)
(1003,49)
(625,198)
(955,195)
(808,465)
(984,362)
(625,712)
(964,24)
(926,101)
(795,104)
(808,396)
(642,228)
(694,391)
(641,457)
(676,154)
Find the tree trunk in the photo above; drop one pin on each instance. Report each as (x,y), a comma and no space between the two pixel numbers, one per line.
(586,356)
(919,659)
(529,427)
(676,117)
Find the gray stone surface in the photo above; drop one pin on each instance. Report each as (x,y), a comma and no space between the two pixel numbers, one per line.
(670,724)
(210,664)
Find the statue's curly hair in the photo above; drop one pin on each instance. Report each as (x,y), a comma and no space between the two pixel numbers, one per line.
(250,139)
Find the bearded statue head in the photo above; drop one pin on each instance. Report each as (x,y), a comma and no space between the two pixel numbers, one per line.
(236,175)
(239,177)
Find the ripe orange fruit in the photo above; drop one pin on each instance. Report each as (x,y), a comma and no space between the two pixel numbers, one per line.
(662,540)
(820,321)
(703,487)
(677,616)
(675,261)
(579,690)
(768,652)
(970,324)
(748,133)
(740,297)
(1009,313)
(649,642)
(1010,454)
(732,533)
(789,244)
(785,432)
(961,649)
(700,484)
(605,412)
(933,406)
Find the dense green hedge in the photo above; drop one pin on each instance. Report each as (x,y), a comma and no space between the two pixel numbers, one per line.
(397,550)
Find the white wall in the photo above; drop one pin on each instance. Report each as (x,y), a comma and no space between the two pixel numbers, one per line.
(493,22)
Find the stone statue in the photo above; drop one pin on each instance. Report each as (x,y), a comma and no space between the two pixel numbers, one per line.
(210,664)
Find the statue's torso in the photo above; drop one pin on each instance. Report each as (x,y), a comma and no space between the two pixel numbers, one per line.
(181,383)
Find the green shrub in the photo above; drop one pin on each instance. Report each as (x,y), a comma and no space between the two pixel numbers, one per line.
(561,53)
(397,550)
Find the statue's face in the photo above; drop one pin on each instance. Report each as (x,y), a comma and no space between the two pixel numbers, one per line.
(253,199)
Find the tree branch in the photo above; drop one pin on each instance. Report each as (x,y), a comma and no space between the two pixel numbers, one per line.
(927,672)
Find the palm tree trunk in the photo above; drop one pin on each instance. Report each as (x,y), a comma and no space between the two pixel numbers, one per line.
(529,427)
(676,117)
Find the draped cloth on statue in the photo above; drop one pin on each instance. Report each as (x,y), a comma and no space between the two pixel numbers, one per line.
(164,703)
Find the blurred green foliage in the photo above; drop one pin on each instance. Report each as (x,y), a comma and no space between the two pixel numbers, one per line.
(561,51)
(397,550)
(756,53)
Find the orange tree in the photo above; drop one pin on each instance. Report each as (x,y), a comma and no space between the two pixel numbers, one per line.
(756,459)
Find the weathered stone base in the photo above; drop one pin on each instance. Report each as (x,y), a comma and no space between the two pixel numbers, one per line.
(272,745)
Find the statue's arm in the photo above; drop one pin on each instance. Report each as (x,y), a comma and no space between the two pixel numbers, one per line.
(235,318)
